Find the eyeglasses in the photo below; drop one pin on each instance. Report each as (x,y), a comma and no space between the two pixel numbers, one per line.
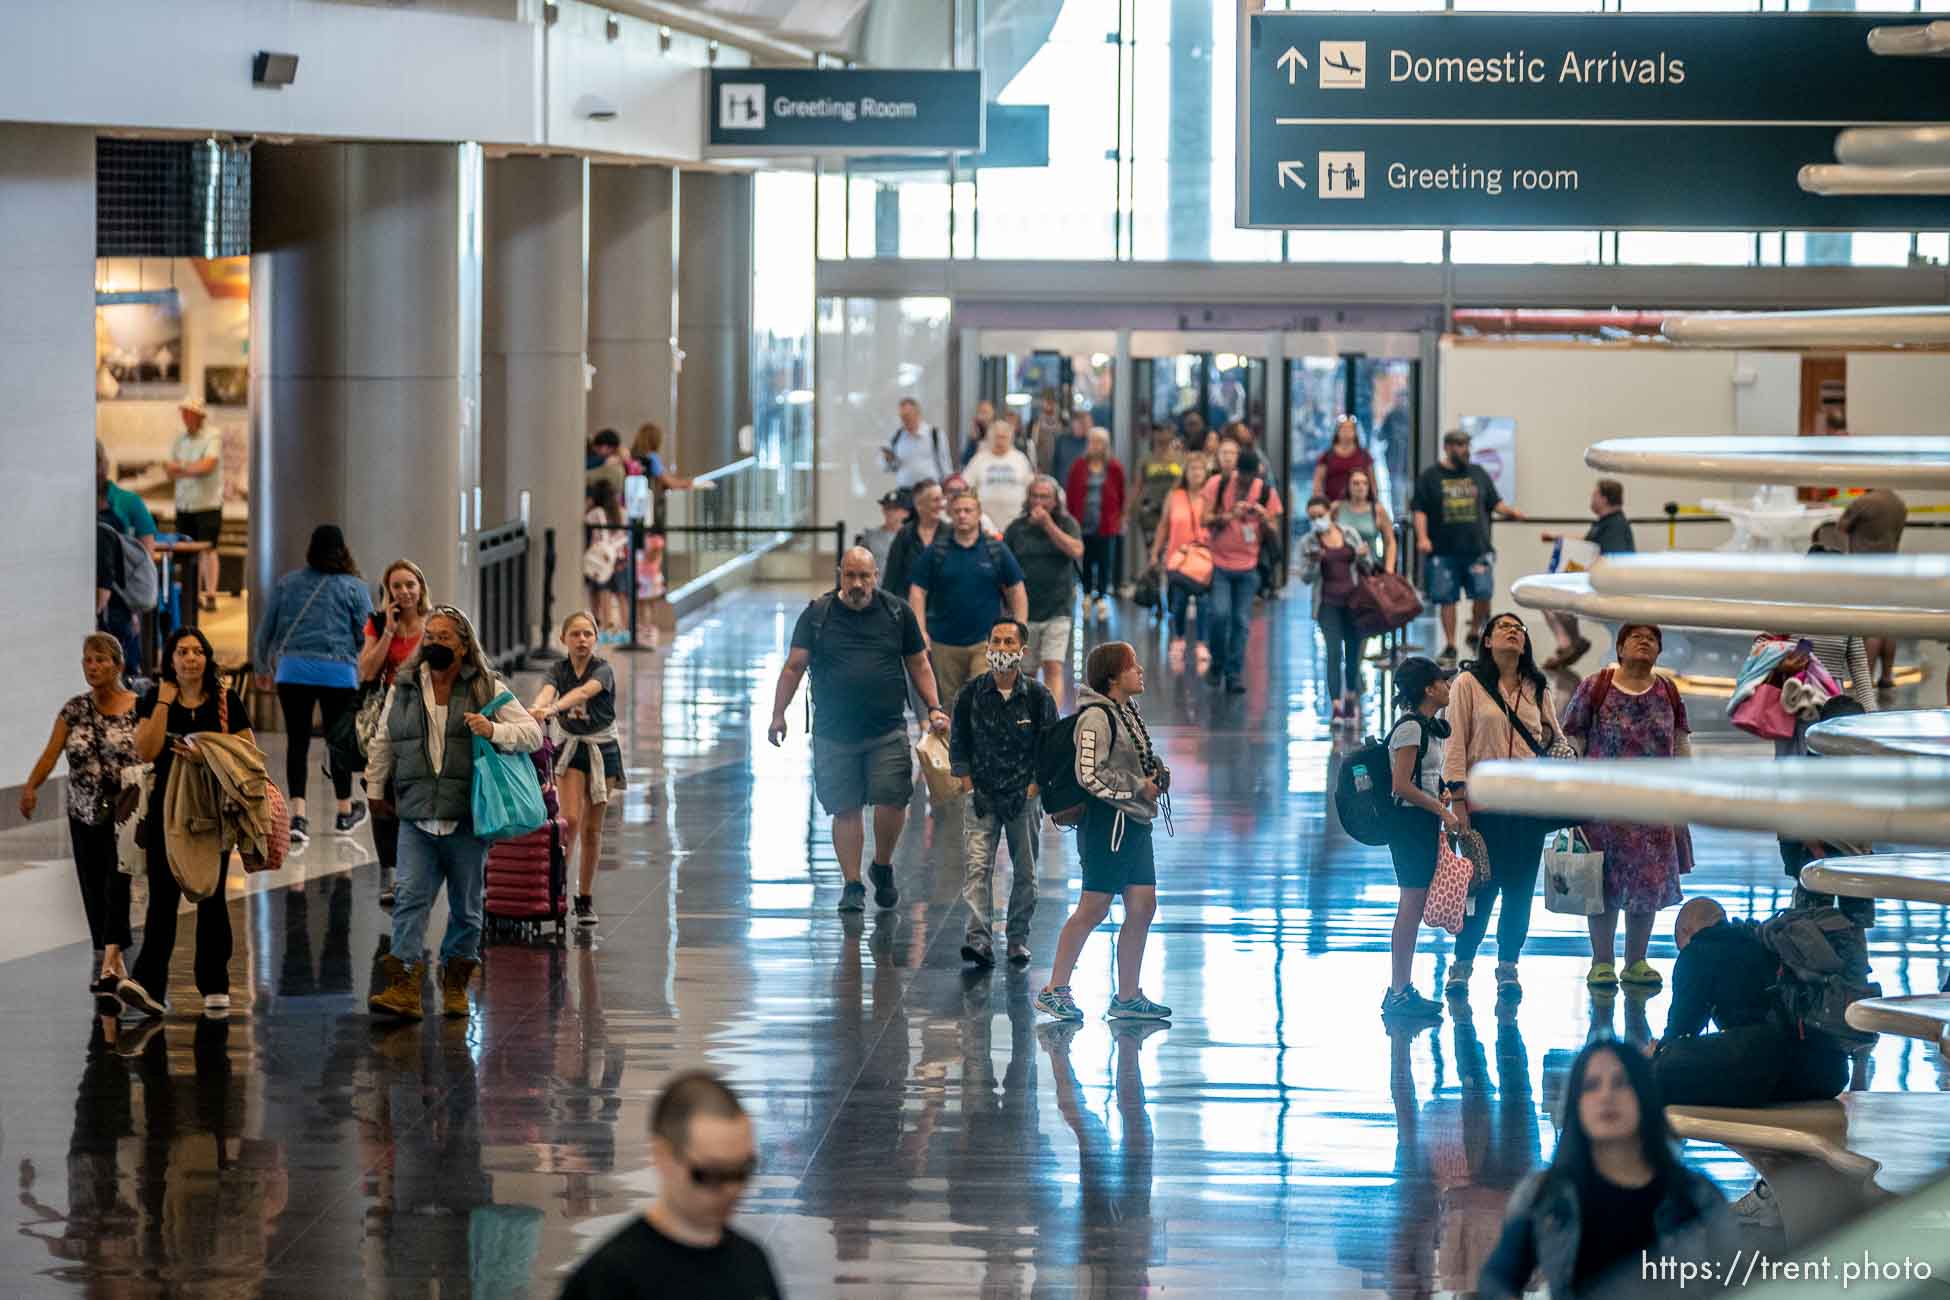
(713,1179)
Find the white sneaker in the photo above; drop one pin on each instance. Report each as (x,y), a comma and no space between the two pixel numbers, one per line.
(1758,1208)
(216,1005)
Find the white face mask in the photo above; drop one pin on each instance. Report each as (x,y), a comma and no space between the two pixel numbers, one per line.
(1005,661)
(1322,524)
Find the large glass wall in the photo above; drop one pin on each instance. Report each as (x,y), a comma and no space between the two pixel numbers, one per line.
(1142,124)
(782,345)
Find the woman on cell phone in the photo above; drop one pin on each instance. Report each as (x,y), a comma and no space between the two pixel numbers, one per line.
(392,633)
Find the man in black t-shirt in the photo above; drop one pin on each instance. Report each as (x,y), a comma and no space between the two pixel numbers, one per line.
(703,1146)
(1453,504)
(1612,534)
(863,647)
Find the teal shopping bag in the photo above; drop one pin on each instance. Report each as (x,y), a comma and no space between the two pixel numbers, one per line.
(507,793)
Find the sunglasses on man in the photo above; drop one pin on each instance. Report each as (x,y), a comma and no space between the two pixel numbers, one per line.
(712,1180)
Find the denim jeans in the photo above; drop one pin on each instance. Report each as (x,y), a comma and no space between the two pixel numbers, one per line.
(1232,611)
(980,838)
(1178,595)
(1344,646)
(426,862)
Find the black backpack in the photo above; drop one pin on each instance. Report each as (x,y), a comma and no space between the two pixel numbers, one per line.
(1056,767)
(1364,795)
(1824,960)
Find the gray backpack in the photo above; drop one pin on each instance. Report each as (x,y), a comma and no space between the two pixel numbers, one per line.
(1824,960)
(140,588)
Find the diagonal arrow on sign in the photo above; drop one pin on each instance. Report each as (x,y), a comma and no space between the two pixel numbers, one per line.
(1290,171)
(1293,60)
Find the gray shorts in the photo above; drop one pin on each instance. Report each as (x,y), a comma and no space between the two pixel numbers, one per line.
(848,776)
(1049,641)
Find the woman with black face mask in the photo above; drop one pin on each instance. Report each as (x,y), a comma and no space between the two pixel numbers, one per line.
(444,695)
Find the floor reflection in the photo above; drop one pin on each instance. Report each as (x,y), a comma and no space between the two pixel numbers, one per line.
(922,1134)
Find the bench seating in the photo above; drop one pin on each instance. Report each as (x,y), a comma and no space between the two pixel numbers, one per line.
(1910,877)
(1922,1015)
(1830,1160)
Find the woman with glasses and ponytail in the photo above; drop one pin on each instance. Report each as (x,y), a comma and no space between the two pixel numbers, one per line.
(444,695)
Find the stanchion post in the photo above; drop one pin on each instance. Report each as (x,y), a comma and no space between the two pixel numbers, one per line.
(636,545)
(839,549)
(1672,525)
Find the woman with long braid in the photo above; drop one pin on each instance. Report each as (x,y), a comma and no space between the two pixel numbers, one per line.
(1122,781)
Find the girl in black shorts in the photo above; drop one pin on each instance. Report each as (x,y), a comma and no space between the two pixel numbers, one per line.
(1420,815)
(580,695)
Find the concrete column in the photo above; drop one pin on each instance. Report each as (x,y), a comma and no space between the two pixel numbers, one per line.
(633,299)
(714,326)
(366,356)
(47,452)
(534,295)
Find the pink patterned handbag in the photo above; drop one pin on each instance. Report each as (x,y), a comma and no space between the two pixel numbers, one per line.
(1448,900)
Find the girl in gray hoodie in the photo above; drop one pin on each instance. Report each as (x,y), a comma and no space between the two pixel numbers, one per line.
(1123,780)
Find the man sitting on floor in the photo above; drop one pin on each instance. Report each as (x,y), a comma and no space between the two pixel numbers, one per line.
(1727,975)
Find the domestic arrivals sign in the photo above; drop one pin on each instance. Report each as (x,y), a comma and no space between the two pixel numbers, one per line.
(757,111)
(1541,121)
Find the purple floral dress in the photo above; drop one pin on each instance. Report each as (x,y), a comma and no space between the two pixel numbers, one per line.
(1642,863)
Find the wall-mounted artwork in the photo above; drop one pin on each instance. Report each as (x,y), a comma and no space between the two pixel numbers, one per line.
(226,385)
(138,345)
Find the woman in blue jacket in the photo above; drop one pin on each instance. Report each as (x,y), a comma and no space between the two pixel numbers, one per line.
(308,642)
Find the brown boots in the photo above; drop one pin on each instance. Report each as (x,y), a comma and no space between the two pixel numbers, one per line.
(453,985)
(398,994)
(398,991)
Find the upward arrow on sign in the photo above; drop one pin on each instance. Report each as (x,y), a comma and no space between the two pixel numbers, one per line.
(1293,60)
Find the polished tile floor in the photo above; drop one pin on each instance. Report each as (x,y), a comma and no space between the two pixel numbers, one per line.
(922,1133)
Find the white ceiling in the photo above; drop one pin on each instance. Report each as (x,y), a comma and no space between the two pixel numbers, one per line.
(824,24)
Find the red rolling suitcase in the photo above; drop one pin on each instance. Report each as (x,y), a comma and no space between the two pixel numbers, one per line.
(528,876)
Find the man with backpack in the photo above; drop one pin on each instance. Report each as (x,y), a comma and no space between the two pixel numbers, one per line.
(1243,514)
(917,450)
(958,591)
(1778,992)
(1782,1037)
(863,647)
(1000,717)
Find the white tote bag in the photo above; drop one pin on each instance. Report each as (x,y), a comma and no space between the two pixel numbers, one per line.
(1574,876)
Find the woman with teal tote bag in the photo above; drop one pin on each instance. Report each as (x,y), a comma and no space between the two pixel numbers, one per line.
(453,742)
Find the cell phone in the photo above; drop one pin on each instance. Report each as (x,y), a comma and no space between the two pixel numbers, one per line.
(177,738)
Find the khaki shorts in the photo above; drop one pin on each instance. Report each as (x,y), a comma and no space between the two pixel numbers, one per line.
(1049,641)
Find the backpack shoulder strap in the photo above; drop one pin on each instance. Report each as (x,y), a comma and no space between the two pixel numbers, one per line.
(1600,692)
(1421,745)
(822,606)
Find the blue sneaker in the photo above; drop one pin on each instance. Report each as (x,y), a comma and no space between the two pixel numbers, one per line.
(1057,1002)
(1138,1008)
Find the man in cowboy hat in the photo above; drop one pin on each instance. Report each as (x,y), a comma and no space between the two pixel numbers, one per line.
(196,466)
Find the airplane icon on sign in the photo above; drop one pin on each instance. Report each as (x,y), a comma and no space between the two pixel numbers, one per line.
(1343,65)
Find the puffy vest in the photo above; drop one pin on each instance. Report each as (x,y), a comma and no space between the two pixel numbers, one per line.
(420,793)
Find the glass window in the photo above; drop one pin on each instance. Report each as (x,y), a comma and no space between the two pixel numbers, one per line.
(1934,245)
(782,347)
(1364,245)
(1857,248)
(1520,247)
(832,215)
(1067,209)
(1686,247)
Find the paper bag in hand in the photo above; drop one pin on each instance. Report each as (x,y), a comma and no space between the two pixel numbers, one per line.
(943,788)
